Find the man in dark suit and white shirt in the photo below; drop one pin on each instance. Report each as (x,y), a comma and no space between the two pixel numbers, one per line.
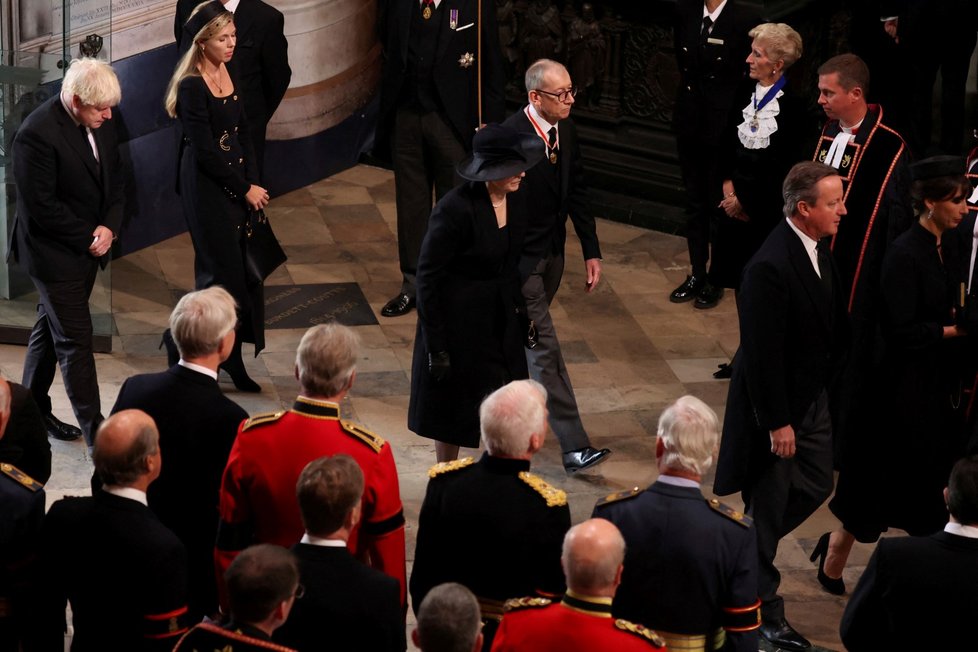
(353,605)
(69,210)
(556,189)
(126,578)
(429,109)
(922,580)
(197,425)
(260,65)
(777,434)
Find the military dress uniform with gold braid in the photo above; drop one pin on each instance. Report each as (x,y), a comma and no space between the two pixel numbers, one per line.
(576,623)
(258,503)
(207,637)
(22,506)
(690,567)
(494,527)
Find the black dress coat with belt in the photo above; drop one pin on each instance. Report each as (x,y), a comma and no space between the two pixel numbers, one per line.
(197,425)
(260,63)
(470,305)
(792,343)
(217,166)
(930,579)
(757,176)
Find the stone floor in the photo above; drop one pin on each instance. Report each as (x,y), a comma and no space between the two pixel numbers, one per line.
(629,350)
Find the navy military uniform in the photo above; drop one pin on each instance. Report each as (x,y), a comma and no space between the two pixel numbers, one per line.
(22,506)
(577,622)
(494,527)
(231,638)
(690,567)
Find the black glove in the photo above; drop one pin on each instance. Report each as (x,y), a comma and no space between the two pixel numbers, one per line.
(439,365)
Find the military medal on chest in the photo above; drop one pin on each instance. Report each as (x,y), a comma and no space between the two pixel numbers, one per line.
(426,11)
(553,156)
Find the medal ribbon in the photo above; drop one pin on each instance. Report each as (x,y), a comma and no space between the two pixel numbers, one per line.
(778,85)
(541,133)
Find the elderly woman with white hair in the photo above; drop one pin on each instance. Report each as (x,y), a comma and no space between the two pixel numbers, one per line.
(691,563)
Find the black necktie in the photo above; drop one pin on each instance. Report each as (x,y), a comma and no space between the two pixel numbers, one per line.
(552,135)
(824,269)
(707,25)
(88,143)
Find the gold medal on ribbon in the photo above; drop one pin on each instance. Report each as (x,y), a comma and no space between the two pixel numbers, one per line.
(426,13)
(553,156)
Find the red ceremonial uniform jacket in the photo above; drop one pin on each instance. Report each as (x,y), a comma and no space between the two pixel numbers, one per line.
(575,623)
(258,503)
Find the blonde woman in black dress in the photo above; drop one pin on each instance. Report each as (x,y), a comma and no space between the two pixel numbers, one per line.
(218,178)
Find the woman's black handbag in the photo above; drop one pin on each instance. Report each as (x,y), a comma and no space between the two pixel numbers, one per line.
(261,251)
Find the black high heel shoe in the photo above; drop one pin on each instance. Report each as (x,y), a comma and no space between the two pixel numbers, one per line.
(172,353)
(834,585)
(234,366)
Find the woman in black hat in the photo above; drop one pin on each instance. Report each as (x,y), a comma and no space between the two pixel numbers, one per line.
(218,175)
(895,476)
(471,318)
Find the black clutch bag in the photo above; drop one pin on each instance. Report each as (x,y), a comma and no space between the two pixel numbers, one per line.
(260,249)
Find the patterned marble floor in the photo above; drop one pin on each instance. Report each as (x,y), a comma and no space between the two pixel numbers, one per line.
(629,350)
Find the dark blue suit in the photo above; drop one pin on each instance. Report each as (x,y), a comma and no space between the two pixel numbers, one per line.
(689,569)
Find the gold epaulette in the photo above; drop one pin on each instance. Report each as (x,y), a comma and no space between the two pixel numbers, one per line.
(615,497)
(515,604)
(20,477)
(555,497)
(639,630)
(734,515)
(447,467)
(370,439)
(262,419)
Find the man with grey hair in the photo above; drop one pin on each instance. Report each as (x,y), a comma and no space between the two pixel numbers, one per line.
(777,433)
(556,189)
(475,510)
(691,567)
(197,425)
(258,499)
(592,560)
(448,621)
(69,210)
(127,577)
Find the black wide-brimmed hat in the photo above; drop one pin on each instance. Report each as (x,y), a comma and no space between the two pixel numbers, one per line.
(499,152)
(939,166)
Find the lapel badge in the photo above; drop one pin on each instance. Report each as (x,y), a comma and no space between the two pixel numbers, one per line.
(453,19)
(466,60)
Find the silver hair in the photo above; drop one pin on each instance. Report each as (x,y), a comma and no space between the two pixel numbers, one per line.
(326,359)
(449,619)
(689,430)
(200,321)
(538,70)
(511,415)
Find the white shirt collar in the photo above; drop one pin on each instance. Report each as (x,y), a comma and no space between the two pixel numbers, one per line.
(676,481)
(970,531)
(715,13)
(231,5)
(325,543)
(541,122)
(809,243)
(198,368)
(126,492)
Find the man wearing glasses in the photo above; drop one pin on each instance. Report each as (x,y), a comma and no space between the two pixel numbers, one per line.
(556,189)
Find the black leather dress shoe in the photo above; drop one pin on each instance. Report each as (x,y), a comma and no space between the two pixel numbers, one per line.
(60,430)
(780,634)
(584,458)
(708,296)
(402,304)
(688,290)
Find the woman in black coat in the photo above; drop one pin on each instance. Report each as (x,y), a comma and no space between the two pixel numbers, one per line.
(768,136)
(218,175)
(472,323)
(895,477)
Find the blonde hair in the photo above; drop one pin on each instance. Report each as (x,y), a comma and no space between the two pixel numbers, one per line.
(187,65)
(783,42)
(93,81)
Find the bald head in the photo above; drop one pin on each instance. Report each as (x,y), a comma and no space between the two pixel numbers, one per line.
(127,450)
(592,558)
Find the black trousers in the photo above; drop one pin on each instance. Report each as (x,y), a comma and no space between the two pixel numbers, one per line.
(425,153)
(62,335)
(786,494)
(700,166)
